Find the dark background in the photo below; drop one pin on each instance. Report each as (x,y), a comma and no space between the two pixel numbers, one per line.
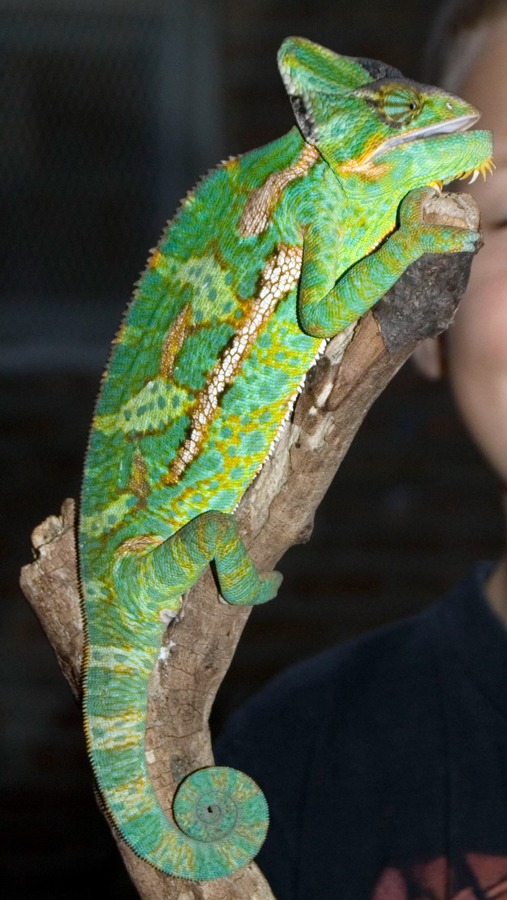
(111,109)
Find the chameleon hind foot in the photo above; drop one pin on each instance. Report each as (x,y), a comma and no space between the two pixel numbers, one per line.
(158,575)
(214,537)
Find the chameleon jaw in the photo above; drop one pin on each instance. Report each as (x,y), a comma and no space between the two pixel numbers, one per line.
(460,123)
(369,165)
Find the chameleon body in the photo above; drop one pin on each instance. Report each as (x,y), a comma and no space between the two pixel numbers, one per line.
(267,258)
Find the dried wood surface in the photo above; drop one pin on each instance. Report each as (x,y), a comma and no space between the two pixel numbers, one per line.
(276,512)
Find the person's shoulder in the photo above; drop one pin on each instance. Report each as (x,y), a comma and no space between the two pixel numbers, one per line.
(358,662)
(300,695)
(391,668)
(403,647)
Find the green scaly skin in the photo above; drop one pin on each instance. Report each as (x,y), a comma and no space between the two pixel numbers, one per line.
(272,254)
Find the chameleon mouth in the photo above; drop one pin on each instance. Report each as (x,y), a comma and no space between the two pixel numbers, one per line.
(440,130)
(461,123)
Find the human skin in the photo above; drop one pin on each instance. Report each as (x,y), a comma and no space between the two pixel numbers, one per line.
(475,347)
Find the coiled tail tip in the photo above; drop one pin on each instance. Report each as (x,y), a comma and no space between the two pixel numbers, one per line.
(225,815)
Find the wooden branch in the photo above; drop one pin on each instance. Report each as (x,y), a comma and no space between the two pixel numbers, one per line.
(276,512)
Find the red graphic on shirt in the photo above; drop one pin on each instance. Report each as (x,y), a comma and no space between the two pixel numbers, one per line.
(435,880)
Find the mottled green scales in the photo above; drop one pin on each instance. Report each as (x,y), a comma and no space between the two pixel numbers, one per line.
(272,254)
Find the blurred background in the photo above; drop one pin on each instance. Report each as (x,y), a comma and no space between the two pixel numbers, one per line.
(110,110)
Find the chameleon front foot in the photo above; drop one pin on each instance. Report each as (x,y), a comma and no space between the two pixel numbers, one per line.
(415,232)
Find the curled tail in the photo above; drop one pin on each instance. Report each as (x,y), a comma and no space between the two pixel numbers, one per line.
(220,814)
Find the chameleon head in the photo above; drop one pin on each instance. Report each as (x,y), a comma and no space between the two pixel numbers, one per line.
(404,134)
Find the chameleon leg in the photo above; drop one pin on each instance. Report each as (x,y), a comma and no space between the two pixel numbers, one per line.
(325,311)
(220,815)
(211,537)
(152,580)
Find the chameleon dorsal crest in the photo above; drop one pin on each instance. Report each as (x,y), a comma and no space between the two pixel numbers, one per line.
(267,258)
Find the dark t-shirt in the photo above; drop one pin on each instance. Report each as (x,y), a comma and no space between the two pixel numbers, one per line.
(384,760)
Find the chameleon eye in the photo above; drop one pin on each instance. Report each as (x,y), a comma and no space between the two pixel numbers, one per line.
(394,103)
(398,105)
